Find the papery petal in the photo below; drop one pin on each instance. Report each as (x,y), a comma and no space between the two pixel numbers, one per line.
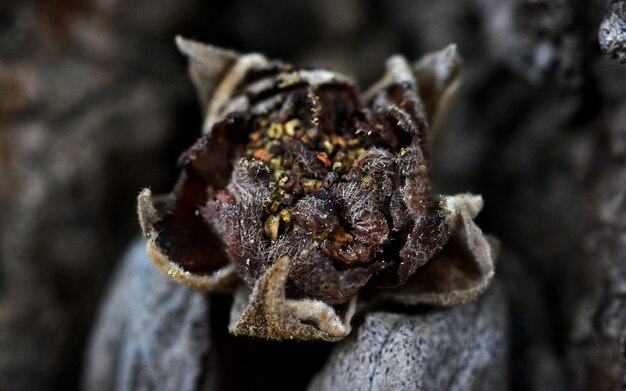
(268,313)
(438,78)
(180,250)
(461,271)
(207,66)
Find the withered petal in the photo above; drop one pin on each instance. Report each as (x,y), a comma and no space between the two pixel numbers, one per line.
(241,224)
(318,278)
(207,66)
(313,274)
(268,313)
(428,236)
(438,78)
(461,271)
(245,244)
(312,192)
(211,156)
(220,278)
(219,106)
(415,185)
(315,212)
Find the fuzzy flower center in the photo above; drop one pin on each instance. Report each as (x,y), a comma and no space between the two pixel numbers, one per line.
(303,160)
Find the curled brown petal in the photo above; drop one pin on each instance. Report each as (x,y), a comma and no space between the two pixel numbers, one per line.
(461,271)
(207,66)
(205,269)
(309,193)
(313,274)
(439,78)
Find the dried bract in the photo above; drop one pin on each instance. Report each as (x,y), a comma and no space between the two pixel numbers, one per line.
(310,193)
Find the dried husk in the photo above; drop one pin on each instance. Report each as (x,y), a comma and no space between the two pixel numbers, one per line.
(267,313)
(457,274)
(221,280)
(463,269)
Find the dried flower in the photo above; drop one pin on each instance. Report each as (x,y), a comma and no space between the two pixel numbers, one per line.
(309,193)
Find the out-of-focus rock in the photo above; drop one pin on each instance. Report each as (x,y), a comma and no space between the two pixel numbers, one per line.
(538,39)
(151,333)
(462,348)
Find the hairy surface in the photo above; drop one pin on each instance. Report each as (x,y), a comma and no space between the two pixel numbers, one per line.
(308,192)
(319,175)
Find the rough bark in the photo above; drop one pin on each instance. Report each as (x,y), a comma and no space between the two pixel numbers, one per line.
(152,333)
(430,351)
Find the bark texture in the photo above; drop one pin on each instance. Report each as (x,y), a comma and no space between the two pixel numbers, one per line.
(152,333)
(429,351)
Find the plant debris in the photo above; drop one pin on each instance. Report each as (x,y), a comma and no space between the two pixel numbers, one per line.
(310,193)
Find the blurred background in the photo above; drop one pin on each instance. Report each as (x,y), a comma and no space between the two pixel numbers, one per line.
(95,104)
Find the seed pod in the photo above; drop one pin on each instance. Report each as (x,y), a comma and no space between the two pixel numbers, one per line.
(309,194)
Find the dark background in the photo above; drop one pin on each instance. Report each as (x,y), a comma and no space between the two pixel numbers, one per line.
(95,104)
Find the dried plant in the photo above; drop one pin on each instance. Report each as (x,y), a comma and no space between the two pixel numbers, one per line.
(303,195)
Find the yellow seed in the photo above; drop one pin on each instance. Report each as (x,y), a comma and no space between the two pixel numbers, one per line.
(275,163)
(271,227)
(292,126)
(338,140)
(336,166)
(311,132)
(321,235)
(275,130)
(285,215)
(328,146)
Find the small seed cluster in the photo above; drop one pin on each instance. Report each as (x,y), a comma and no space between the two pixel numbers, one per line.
(301,159)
